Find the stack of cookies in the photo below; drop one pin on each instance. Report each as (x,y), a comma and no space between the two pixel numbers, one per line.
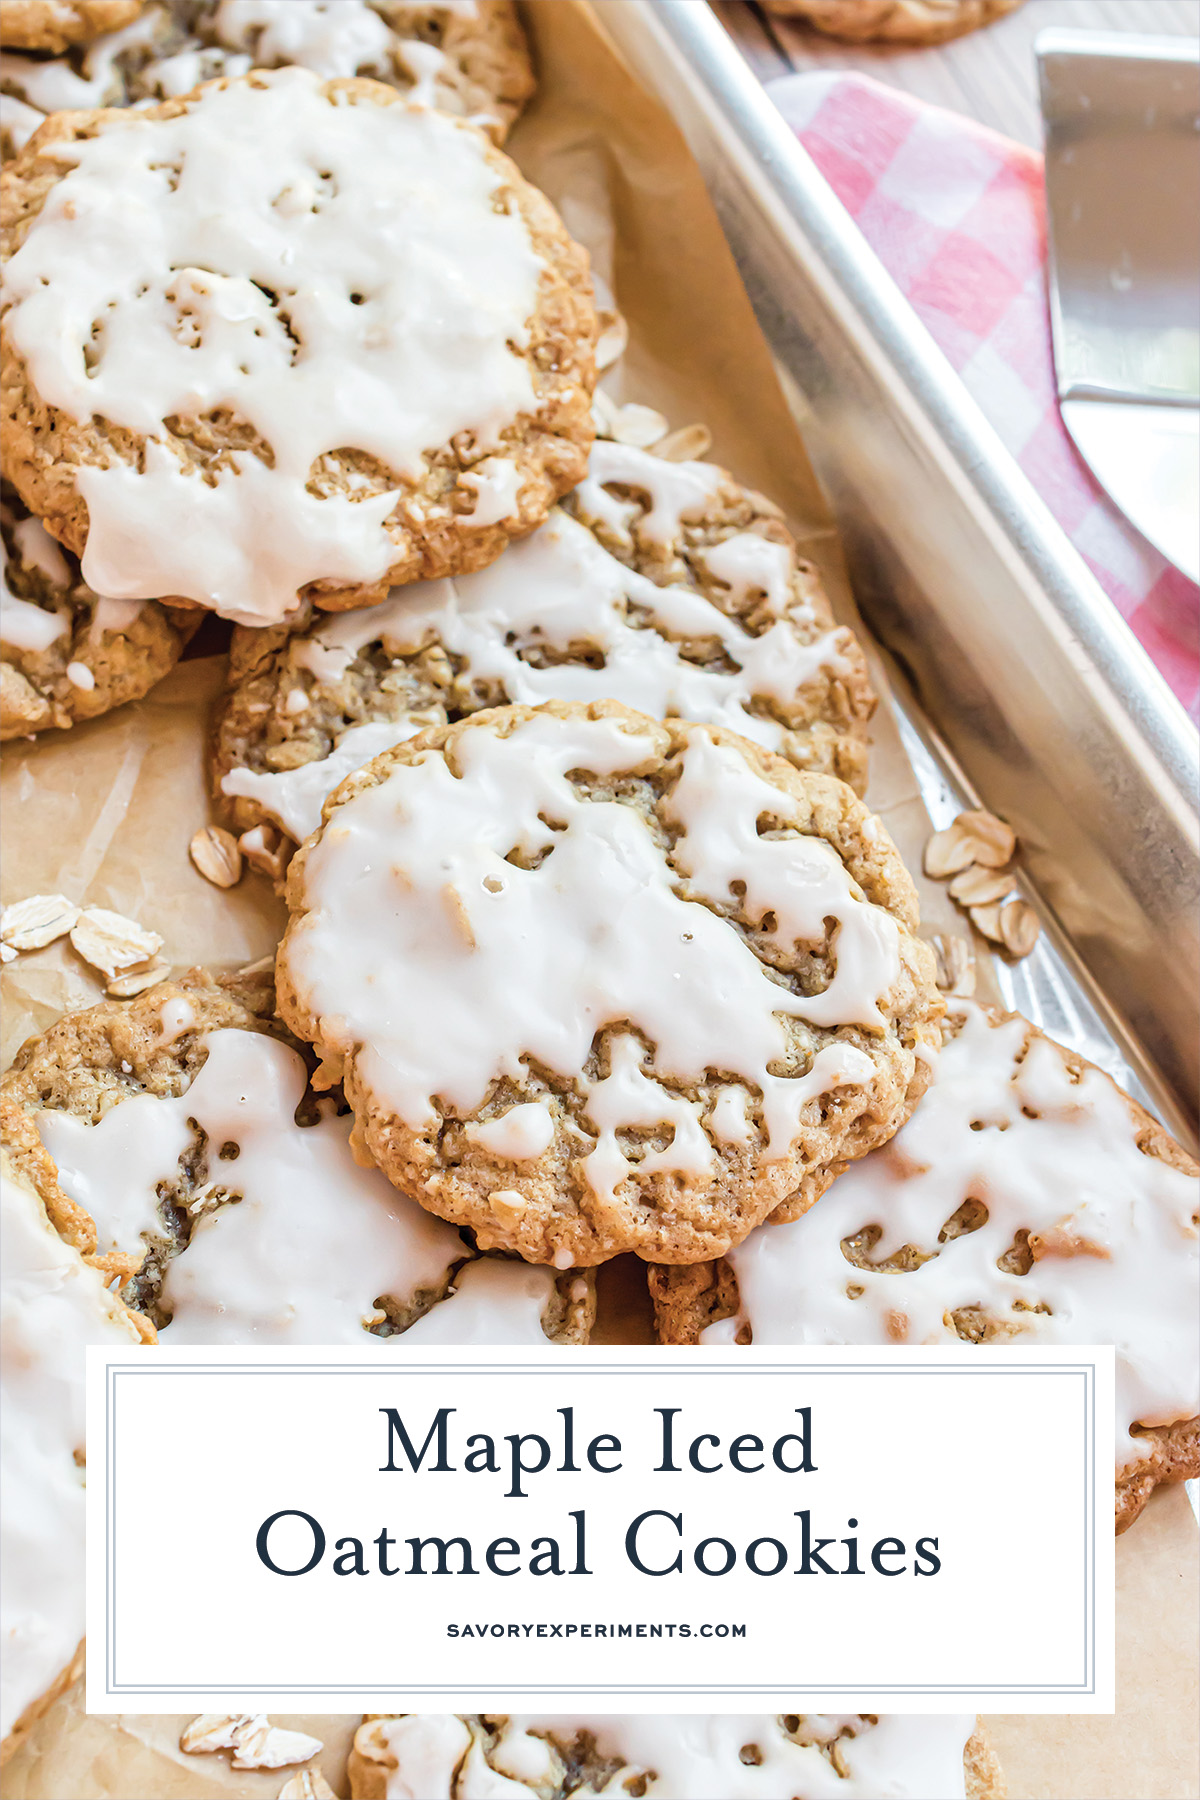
(557,753)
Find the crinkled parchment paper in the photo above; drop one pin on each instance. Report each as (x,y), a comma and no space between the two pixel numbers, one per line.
(104,813)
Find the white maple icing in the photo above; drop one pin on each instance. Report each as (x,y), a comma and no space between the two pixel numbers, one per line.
(80,676)
(491,1302)
(112,615)
(294,797)
(221,253)
(330,37)
(23,625)
(425,1749)
(293,1242)
(496,483)
(516,1135)
(676,491)
(52,84)
(681,1758)
(559,591)
(38,550)
(52,1305)
(20,119)
(1117,1260)
(306,1241)
(525,964)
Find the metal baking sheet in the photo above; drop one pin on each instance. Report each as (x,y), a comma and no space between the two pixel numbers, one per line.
(1019,686)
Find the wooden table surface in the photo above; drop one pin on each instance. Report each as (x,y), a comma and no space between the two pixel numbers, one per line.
(988,74)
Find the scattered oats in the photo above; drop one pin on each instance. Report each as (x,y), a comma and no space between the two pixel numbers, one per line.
(987,920)
(212,1731)
(215,853)
(1019,927)
(260,967)
(7,953)
(638,426)
(687,444)
(947,852)
(31,924)
(136,981)
(264,849)
(768,508)
(955,965)
(81,677)
(976,886)
(261,1745)
(255,1742)
(993,843)
(309,1784)
(297,701)
(614,336)
(112,943)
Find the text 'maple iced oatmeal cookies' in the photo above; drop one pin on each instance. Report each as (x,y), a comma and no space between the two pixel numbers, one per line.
(65,653)
(448,1756)
(57,24)
(1026,1200)
(894,21)
(467,57)
(53,1302)
(181,1132)
(736,631)
(287,337)
(596,983)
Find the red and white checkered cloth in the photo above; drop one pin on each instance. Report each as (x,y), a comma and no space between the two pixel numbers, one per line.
(956,215)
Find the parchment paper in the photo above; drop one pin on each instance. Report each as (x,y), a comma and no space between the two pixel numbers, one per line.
(104,814)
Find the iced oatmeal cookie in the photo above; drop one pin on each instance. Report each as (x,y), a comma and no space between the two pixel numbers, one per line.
(894,21)
(1026,1200)
(468,59)
(65,653)
(736,1756)
(56,24)
(53,1302)
(376,368)
(734,631)
(176,1136)
(596,983)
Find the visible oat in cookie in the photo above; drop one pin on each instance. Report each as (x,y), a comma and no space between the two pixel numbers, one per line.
(894,21)
(65,653)
(1027,1200)
(673,978)
(471,61)
(734,1756)
(381,372)
(741,636)
(178,1138)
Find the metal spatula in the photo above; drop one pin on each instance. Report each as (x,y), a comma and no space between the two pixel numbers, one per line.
(1122,117)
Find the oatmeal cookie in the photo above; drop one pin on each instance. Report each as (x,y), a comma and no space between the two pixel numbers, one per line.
(1027,1199)
(379,369)
(53,1302)
(65,653)
(446,1756)
(596,983)
(56,24)
(472,61)
(176,1138)
(894,21)
(737,632)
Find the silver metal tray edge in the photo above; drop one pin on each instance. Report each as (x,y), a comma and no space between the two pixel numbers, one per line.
(1047,705)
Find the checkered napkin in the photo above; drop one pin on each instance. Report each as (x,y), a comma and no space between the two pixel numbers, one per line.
(956,215)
